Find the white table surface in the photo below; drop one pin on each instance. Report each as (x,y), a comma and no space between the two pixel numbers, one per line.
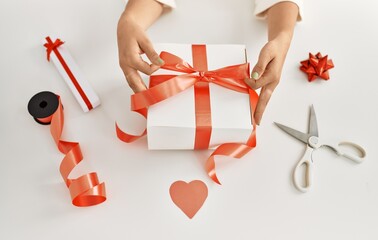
(257,199)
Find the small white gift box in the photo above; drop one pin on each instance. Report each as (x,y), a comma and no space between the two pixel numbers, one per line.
(71,73)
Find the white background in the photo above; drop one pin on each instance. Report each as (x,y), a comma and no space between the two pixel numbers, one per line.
(257,199)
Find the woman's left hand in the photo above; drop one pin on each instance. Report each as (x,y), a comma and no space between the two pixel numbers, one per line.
(267,72)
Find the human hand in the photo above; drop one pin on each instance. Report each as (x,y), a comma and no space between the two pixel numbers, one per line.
(267,72)
(132,43)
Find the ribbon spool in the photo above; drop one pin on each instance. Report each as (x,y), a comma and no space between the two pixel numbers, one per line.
(42,106)
(86,190)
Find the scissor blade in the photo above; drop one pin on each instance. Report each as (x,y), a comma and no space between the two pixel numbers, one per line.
(313,127)
(295,133)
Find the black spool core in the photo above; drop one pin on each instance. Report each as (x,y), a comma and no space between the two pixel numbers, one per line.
(42,105)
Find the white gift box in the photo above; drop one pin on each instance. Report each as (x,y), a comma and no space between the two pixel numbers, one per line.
(72,75)
(171,123)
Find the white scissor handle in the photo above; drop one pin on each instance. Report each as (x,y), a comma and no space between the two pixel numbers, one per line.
(351,146)
(301,184)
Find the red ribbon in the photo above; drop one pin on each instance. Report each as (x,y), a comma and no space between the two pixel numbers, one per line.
(53,47)
(202,99)
(166,86)
(85,190)
(316,66)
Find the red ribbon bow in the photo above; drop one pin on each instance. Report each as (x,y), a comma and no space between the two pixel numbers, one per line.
(166,86)
(231,77)
(50,46)
(316,66)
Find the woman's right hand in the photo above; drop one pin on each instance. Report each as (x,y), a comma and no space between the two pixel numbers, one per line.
(132,43)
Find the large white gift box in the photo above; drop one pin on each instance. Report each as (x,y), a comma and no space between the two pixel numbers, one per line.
(171,124)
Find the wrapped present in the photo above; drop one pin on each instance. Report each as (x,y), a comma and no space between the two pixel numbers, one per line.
(198,100)
(176,122)
(67,67)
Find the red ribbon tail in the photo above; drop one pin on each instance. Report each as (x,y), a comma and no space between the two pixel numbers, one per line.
(128,138)
(235,150)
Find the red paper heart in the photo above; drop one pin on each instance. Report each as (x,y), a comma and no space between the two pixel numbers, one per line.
(189,197)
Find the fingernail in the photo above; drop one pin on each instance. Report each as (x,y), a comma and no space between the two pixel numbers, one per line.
(255,75)
(161,61)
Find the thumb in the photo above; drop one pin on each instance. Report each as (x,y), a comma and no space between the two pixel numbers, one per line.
(149,50)
(259,68)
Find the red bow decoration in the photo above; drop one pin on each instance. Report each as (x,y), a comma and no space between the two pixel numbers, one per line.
(50,46)
(231,77)
(316,66)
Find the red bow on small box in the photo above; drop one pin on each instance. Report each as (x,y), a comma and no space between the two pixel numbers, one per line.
(316,66)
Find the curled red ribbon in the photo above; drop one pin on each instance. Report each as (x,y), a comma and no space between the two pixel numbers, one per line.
(316,66)
(53,47)
(234,150)
(85,190)
(166,86)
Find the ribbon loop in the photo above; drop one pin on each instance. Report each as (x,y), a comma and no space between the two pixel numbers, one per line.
(175,63)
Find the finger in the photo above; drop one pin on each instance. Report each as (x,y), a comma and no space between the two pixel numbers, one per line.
(139,64)
(149,50)
(265,95)
(134,80)
(256,84)
(263,61)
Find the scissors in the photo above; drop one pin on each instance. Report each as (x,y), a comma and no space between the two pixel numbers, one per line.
(314,142)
